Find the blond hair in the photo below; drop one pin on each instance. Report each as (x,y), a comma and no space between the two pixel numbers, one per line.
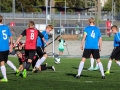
(49,26)
(18,52)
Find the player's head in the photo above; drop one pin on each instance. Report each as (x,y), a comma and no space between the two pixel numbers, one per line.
(114,29)
(1,19)
(91,20)
(19,54)
(31,24)
(49,28)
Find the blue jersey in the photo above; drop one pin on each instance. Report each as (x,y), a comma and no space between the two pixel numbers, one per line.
(4,37)
(40,41)
(117,39)
(92,37)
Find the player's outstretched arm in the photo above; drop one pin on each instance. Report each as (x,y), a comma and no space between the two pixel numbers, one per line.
(19,38)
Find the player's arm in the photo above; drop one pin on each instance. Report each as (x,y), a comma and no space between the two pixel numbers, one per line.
(19,38)
(11,40)
(20,65)
(100,43)
(11,44)
(117,38)
(42,37)
(83,40)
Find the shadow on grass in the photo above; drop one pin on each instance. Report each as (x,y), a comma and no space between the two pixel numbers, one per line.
(77,68)
(70,74)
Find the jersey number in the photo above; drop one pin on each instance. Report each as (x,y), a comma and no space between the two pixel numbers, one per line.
(32,36)
(4,34)
(93,34)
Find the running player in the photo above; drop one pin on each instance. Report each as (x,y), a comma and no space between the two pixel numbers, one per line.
(92,36)
(116,51)
(108,26)
(40,47)
(5,35)
(61,46)
(30,43)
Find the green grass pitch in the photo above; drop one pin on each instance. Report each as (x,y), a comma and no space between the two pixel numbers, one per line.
(63,77)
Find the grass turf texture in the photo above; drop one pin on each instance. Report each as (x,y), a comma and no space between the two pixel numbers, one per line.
(63,78)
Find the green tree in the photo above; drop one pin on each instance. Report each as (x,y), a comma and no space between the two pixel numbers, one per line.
(6,6)
(108,6)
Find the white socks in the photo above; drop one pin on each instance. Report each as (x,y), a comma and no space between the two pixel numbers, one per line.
(118,63)
(3,70)
(92,62)
(109,64)
(101,68)
(81,65)
(39,62)
(11,65)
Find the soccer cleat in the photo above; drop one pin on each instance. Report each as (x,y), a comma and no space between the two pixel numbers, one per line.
(107,72)
(103,77)
(77,76)
(96,68)
(90,68)
(4,80)
(53,68)
(46,64)
(35,70)
(24,73)
(17,72)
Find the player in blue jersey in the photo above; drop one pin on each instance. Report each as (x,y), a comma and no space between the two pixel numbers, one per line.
(41,47)
(5,35)
(116,51)
(93,42)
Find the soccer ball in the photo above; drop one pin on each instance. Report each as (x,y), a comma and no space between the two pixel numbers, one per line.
(57,60)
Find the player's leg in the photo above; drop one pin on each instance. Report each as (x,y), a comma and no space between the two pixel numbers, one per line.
(96,55)
(92,63)
(30,58)
(86,54)
(112,56)
(3,59)
(40,52)
(12,66)
(96,67)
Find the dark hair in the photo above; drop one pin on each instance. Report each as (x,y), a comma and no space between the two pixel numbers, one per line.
(114,26)
(1,18)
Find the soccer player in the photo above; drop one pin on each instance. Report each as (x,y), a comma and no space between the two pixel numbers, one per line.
(92,64)
(92,37)
(23,59)
(5,35)
(41,47)
(116,51)
(61,46)
(108,26)
(31,34)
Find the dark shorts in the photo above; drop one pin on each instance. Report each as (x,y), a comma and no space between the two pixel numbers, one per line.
(115,53)
(94,52)
(4,55)
(40,51)
(30,54)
